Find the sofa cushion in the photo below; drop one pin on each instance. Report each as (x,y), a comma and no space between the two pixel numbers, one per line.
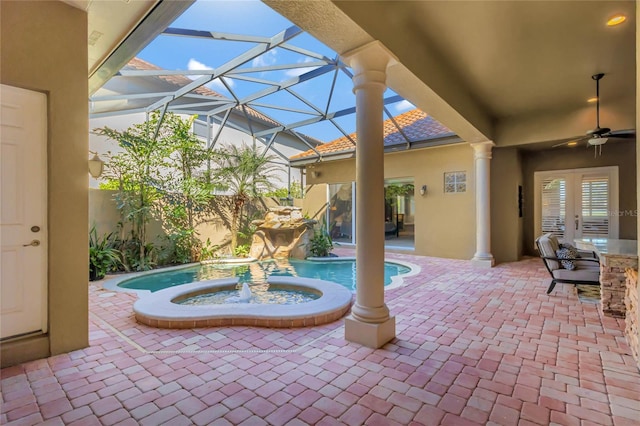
(547,250)
(584,274)
(555,244)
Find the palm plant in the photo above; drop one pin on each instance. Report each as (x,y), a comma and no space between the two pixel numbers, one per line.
(245,173)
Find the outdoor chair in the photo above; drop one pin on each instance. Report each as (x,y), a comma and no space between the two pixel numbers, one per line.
(566,264)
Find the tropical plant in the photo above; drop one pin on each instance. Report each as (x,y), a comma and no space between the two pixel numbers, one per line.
(161,173)
(242,250)
(138,171)
(208,250)
(295,191)
(245,172)
(321,243)
(188,190)
(103,257)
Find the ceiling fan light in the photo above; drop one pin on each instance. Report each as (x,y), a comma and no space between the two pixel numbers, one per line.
(598,141)
(616,20)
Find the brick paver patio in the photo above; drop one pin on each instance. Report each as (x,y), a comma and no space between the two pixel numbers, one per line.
(473,346)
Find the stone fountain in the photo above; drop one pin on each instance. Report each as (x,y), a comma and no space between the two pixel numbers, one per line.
(282,234)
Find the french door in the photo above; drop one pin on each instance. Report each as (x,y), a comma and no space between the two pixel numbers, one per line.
(578,203)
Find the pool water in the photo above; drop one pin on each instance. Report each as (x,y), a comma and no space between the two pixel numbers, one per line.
(342,272)
(260,294)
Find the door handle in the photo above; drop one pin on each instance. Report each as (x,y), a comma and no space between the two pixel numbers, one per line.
(577,224)
(34,243)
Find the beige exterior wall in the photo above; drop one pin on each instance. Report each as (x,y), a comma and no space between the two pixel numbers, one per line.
(506,225)
(616,153)
(444,223)
(314,204)
(104,215)
(44,48)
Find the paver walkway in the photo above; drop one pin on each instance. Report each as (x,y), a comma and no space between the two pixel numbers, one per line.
(473,346)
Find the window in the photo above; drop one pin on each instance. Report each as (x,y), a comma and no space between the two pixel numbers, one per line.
(455,182)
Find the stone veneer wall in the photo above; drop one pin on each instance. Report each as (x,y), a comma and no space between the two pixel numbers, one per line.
(632,328)
(613,284)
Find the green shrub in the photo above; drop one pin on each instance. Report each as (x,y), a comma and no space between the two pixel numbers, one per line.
(102,256)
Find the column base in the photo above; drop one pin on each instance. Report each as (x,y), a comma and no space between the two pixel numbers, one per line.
(372,335)
(485,261)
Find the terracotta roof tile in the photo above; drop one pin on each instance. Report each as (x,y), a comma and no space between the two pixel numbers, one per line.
(181,81)
(417,125)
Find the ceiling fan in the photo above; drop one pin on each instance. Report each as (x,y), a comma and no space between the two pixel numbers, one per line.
(599,135)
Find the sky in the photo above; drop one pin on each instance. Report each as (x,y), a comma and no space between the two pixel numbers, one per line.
(249,17)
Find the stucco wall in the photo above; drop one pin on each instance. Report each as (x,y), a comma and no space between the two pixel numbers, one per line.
(104,215)
(44,48)
(506,225)
(614,153)
(444,223)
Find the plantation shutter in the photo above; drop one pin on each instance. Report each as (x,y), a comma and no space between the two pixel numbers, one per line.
(595,206)
(554,200)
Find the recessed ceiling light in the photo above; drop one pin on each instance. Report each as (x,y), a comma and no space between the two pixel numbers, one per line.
(592,100)
(572,143)
(616,20)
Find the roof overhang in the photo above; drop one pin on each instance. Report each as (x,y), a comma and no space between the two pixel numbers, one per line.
(395,148)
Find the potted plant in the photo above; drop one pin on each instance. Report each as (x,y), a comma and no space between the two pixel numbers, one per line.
(102,256)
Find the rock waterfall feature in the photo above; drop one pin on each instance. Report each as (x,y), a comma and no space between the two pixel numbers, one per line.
(282,234)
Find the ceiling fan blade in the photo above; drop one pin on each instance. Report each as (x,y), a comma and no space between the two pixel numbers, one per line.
(622,134)
(569,143)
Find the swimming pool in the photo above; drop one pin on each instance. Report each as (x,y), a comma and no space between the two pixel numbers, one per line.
(339,271)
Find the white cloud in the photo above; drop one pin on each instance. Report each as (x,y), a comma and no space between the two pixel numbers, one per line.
(295,72)
(196,65)
(266,59)
(404,106)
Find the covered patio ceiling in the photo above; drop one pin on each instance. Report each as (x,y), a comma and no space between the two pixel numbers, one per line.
(514,72)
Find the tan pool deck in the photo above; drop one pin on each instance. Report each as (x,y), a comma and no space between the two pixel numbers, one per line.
(473,346)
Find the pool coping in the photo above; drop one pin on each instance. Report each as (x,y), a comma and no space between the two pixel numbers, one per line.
(158,310)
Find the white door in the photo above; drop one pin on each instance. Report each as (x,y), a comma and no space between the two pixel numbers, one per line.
(23,212)
(579,203)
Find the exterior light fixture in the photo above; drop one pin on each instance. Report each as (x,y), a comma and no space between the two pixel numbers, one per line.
(315,174)
(95,166)
(572,143)
(423,189)
(616,20)
(592,100)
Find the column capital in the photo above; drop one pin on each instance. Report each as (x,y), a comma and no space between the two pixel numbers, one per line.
(482,149)
(373,56)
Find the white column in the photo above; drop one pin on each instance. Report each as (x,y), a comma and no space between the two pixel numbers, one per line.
(369,323)
(482,159)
